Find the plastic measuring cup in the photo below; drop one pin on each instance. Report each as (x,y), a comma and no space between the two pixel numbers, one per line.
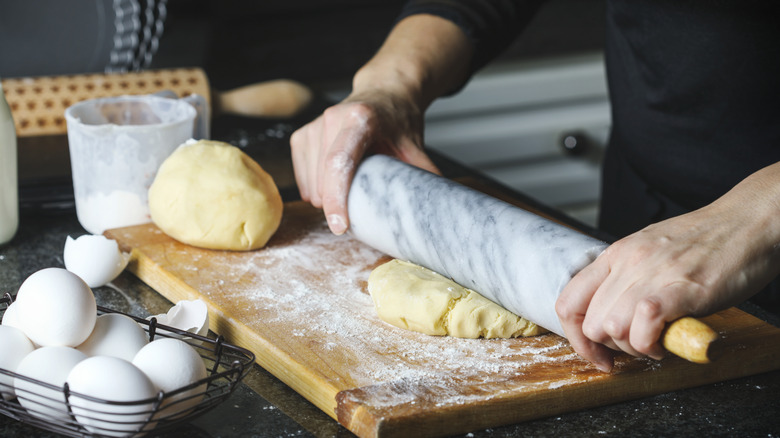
(116,146)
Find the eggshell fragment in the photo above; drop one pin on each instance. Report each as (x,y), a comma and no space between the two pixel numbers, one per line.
(172,364)
(14,346)
(51,365)
(55,307)
(115,335)
(191,316)
(94,258)
(114,380)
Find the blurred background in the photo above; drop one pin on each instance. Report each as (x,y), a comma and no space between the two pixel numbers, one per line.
(536,119)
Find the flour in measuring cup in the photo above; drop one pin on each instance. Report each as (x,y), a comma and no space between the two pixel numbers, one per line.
(120,208)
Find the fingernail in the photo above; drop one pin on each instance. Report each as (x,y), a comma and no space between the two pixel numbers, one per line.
(337,224)
(603,368)
(604,363)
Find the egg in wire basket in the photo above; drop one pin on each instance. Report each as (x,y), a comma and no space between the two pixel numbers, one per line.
(61,409)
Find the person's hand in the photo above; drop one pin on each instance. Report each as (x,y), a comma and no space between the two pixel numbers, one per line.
(423,57)
(694,264)
(327,151)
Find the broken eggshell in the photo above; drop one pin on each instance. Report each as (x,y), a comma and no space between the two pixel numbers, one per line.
(94,258)
(191,316)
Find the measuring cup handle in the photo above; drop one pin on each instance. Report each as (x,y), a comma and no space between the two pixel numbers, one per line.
(201,127)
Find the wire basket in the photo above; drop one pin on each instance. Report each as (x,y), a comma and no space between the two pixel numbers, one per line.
(69,413)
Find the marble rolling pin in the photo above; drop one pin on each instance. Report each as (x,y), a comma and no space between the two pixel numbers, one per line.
(515,258)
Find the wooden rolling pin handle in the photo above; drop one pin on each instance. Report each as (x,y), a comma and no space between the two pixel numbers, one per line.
(277,98)
(690,339)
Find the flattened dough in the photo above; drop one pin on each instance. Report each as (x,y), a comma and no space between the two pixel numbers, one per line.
(415,298)
(212,195)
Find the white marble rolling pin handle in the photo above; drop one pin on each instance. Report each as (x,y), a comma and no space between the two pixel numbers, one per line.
(511,256)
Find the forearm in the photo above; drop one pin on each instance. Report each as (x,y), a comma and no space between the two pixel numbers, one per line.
(754,207)
(423,58)
(761,190)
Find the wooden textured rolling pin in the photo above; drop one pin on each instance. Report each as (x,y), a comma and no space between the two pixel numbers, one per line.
(690,339)
(513,257)
(38,103)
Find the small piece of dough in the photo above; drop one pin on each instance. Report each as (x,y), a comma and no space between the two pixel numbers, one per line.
(212,195)
(412,297)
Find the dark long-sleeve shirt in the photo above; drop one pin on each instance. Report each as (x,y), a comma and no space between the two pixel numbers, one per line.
(695,93)
(694,84)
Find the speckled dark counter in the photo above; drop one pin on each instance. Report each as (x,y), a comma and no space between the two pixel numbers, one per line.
(263,406)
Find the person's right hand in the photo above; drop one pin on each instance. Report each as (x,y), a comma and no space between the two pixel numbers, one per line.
(327,151)
(694,264)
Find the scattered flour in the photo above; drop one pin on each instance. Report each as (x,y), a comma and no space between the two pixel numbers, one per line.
(311,290)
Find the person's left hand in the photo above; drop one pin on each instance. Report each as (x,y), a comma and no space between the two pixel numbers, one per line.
(694,264)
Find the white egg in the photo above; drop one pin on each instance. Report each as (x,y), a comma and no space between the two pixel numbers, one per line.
(11,317)
(51,365)
(172,364)
(191,316)
(114,380)
(94,258)
(14,346)
(115,335)
(55,307)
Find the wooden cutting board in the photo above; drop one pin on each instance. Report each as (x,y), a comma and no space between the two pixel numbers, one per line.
(301,306)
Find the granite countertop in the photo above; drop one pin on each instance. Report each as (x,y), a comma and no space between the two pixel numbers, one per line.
(263,406)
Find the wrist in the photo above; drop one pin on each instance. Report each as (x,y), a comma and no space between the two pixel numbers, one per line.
(424,57)
(754,206)
(758,196)
(389,78)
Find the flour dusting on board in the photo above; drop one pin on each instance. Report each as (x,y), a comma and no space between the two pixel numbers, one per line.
(309,286)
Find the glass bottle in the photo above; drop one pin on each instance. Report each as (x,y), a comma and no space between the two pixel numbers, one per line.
(9,190)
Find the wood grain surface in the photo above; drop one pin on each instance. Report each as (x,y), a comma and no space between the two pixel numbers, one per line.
(301,306)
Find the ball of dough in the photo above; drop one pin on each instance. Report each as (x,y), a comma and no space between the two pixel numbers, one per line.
(212,195)
(412,297)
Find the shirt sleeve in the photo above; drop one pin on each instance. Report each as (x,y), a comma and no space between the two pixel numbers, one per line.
(490,25)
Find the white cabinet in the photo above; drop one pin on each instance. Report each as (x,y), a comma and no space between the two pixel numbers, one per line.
(510,120)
